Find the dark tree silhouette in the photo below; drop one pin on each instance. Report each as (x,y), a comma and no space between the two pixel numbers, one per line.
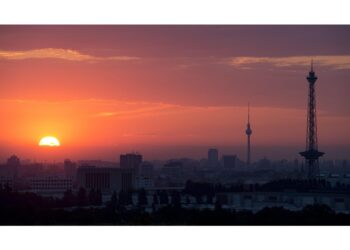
(210,197)
(82,199)
(176,199)
(125,198)
(142,197)
(7,188)
(92,197)
(113,204)
(163,197)
(68,199)
(155,199)
(98,198)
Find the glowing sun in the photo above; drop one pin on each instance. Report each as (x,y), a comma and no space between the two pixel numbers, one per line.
(49,141)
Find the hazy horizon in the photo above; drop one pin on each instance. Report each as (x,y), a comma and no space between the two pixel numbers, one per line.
(158,152)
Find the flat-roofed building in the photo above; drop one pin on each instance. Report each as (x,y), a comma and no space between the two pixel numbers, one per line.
(106,179)
(145,182)
(50,184)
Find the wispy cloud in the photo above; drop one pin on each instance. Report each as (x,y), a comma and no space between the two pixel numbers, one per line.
(123,109)
(332,61)
(143,109)
(54,53)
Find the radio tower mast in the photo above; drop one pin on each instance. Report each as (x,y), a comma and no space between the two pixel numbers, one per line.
(311,154)
(248,132)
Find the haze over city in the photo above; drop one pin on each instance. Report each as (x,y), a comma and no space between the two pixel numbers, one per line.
(170,91)
(174,125)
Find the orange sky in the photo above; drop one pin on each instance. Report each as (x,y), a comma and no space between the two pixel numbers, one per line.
(108,86)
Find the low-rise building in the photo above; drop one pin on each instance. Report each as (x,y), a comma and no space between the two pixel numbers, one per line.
(106,179)
(144,182)
(6,181)
(50,184)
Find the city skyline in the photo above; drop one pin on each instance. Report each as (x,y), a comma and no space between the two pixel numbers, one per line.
(101,91)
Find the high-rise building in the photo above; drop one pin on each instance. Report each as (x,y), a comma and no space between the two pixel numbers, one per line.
(213,157)
(311,154)
(13,161)
(13,164)
(248,133)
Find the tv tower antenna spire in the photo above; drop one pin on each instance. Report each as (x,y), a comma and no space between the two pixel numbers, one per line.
(311,154)
(248,133)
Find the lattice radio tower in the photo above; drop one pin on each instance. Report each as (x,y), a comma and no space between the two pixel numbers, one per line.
(311,154)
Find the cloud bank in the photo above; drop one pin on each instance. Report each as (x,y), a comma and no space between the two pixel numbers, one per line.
(54,53)
(332,61)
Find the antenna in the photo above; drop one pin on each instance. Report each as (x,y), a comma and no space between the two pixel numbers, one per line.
(312,154)
(312,65)
(248,112)
(248,133)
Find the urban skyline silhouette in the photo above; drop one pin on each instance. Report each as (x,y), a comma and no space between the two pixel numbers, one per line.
(139,125)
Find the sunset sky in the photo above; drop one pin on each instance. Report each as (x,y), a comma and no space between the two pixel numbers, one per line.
(104,90)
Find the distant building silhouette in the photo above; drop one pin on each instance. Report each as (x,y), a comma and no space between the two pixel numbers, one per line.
(145,177)
(229,161)
(9,172)
(147,169)
(70,168)
(213,157)
(311,154)
(248,133)
(264,163)
(106,179)
(13,161)
(12,166)
(173,169)
(6,181)
(50,184)
(133,160)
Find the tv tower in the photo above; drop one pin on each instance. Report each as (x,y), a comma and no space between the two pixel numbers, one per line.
(311,154)
(248,131)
